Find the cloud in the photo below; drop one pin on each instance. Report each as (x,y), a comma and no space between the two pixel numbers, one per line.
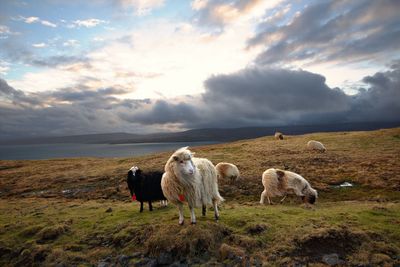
(30,20)
(39,45)
(256,96)
(71,42)
(331,31)
(88,23)
(220,13)
(70,110)
(141,7)
(262,96)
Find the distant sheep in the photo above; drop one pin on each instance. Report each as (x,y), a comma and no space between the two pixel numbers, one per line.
(279,183)
(315,145)
(192,180)
(227,170)
(278,136)
(145,186)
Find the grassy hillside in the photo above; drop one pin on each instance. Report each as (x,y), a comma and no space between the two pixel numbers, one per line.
(77,211)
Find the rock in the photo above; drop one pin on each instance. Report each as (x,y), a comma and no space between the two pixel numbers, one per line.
(105,262)
(147,262)
(109,210)
(123,260)
(165,258)
(331,259)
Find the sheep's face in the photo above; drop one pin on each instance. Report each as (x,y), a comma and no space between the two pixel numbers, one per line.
(184,163)
(311,196)
(136,174)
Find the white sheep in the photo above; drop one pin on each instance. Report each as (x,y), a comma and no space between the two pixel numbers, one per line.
(227,170)
(278,136)
(279,183)
(315,145)
(192,180)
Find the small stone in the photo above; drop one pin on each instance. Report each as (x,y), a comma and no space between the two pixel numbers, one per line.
(123,260)
(165,258)
(109,210)
(331,259)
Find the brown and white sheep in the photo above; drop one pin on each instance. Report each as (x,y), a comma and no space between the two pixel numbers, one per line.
(279,183)
(192,180)
(227,170)
(315,145)
(278,136)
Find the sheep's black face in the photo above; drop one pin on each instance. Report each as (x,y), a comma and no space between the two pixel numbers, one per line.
(311,199)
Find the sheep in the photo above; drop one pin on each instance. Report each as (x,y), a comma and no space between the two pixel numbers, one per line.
(192,180)
(279,183)
(227,170)
(145,187)
(278,136)
(315,145)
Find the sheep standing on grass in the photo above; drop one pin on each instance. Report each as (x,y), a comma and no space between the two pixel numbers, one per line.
(279,183)
(278,136)
(227,170)
(145,187)
(315,145)
(192,180)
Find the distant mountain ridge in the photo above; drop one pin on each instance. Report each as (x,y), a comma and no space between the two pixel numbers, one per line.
(197,135)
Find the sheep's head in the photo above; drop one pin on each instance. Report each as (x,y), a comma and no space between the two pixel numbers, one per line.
(310,195)
(134,176)
(183,163)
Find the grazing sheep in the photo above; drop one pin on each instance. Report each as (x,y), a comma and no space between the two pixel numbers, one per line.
(279,183)
(193,180)
(145,186)
(315,145)
(227,170)
(278,136)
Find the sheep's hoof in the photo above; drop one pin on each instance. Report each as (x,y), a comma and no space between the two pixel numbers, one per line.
(181,223)
(216,218)
(193,222)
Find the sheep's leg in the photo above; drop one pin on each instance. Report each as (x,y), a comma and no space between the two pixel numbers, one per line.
(192,215)
(283,198)
(263,194)
(216,212)
(150,206)
(270,201)
(203,211)
(141,206)
(181,219)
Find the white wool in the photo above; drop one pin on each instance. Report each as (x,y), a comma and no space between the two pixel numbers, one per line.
(315,145)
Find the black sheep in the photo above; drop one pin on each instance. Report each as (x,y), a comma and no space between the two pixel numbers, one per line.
(145,186)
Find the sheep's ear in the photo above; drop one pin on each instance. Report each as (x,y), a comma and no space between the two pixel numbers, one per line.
(280,174)
(176,158)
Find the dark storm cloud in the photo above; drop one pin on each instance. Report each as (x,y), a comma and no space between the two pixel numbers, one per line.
(332,30)
(73,110)
(270,97)
(163,112)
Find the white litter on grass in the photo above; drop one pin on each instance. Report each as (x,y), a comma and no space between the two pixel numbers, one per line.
(346,184)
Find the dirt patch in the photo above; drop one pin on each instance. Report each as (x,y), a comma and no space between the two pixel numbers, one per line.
(177,242)
(51,233)
(340,241)
(256,229)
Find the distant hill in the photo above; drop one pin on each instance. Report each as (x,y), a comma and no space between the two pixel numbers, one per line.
(207,134)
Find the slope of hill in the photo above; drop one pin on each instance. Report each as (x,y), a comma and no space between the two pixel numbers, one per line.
(54,211)
(196,135)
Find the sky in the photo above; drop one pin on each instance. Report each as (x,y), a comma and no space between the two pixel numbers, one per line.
(141,66)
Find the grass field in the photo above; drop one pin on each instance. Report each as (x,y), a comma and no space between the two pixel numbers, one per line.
(78,212)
